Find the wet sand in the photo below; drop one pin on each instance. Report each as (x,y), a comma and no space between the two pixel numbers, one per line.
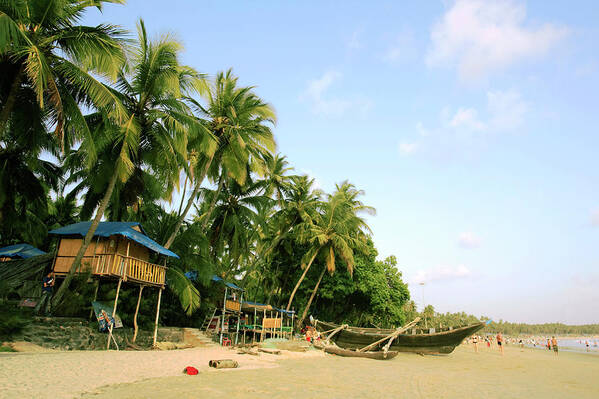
(463,374)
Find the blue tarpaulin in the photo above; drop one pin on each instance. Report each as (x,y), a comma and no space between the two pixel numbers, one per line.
(107,229)
(230,285)
(193,276)
(20,251)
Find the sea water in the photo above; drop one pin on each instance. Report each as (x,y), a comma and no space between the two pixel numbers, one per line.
(571,345)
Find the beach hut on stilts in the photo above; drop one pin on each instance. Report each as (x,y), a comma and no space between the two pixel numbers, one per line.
(120,252)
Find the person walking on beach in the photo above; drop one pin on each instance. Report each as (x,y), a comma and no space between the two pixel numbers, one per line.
(521,345)
(500,342)
(554,344)
(475,342)
(587,345)
(47,288)
(548,344)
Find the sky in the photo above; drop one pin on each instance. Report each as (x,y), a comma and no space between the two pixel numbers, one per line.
(470,125)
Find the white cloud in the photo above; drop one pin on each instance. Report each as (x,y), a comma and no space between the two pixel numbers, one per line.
(422,131)
(466,118)
(403,48)
(595,217)
(443,273)
(480,36)
(407,148)
(468,240)
(324,104)
(507,109)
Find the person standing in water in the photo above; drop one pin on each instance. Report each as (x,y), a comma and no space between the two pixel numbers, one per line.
(500,342)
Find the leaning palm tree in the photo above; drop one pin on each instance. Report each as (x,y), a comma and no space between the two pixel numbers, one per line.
(237,136)
(336,231)
(153,134)
(46,55)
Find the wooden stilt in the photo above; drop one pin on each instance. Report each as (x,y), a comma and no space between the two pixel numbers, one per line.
(116,299)
(238,319)
(157,314)
(222,324)
(135,327)
(254,327)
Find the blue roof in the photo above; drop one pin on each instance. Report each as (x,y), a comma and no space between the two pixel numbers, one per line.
(230,285)
(107,229)
(22,251)
(193,276)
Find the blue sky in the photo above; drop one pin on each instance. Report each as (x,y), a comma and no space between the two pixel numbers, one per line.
(471,126)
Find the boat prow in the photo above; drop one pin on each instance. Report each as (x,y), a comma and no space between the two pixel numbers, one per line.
(443,342)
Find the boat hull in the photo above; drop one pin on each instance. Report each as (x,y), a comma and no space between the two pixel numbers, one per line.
(437,343)
(378,355)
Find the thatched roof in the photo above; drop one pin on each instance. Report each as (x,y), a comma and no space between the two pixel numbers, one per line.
(14,272)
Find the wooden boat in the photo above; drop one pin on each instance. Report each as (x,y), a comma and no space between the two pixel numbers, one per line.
(377,355)
(443,342)
(335,350)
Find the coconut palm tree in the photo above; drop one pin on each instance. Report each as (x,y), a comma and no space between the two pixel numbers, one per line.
(344,232)
(153,134)
(335,231)
(234,221)
(46,56)
(239,137)
(276,181)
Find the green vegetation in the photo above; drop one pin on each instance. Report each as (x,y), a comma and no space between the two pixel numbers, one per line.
(11,322)
(102,126)
(434,319)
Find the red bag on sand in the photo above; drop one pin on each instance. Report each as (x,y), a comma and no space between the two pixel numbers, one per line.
(190,370)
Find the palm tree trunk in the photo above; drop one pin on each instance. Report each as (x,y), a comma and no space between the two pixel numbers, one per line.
(10,100)
(88,238)
(301,279)
(183,215)
(301,320)
(183,196)
(213,203)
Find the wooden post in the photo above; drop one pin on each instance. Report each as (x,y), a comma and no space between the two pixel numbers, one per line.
(116,299)
(157,314)
(91,311)
(222,323)
(292,316)
(238,318)
(254,327)
(126,262)
(135,327)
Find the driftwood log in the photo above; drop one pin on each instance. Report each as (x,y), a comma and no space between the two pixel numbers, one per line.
(223,364)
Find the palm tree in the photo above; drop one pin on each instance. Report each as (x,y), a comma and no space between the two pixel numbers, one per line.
(334,232)
(338,231)
(154,132)
(46,56)
(276,180)
(234,220)
(239,137)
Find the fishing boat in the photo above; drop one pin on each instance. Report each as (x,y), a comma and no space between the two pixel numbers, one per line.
(335,350)
(442,342)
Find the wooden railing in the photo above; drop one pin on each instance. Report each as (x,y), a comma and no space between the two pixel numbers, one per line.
(129,268)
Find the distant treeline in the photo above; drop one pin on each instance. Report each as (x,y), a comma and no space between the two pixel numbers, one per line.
(435,319)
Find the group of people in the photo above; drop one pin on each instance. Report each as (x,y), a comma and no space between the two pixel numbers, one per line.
(488,340)
(501,342)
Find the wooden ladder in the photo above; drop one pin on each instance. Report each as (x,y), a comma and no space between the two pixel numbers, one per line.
(208,320)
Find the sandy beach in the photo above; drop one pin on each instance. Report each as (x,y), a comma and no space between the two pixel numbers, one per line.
(531,374)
